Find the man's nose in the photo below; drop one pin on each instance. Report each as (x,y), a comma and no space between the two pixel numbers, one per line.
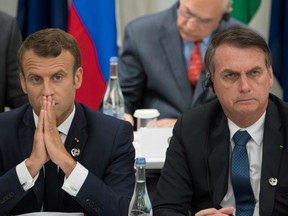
(47,89)
(244,83)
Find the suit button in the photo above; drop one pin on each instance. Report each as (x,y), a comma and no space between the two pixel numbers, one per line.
(6,197)
(92,204)
(96,209)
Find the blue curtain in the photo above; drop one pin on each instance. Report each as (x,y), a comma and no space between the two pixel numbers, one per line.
(33,15)
(278,42)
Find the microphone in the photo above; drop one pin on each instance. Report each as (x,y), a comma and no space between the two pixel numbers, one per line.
(208,82)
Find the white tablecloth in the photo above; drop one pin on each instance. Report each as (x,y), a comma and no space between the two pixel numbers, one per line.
(152,144)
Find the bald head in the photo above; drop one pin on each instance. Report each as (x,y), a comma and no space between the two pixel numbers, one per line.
(197,19)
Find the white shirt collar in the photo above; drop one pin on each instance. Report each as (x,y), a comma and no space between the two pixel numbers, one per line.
(256,130)
(64,127)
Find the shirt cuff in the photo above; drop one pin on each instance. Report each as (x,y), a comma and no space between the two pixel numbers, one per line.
(26,180)
(76,179)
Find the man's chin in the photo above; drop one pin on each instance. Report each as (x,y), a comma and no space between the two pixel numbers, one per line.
(246,110)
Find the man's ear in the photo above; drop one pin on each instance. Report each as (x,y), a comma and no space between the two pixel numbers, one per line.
(78,77)
(226,15)
(229,10)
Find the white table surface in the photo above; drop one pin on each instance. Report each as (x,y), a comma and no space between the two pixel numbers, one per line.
(152,144)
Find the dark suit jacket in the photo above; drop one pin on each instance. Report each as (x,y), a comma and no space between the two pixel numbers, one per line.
(152,68)
(195,174)
(106,151)
(11,94)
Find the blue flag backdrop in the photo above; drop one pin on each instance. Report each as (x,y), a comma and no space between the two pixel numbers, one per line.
(33,15)
(278,42)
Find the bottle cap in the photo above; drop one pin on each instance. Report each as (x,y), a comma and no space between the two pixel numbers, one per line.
(140,160)
(113,59)
(146,113)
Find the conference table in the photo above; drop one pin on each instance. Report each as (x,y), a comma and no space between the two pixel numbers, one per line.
(152,144)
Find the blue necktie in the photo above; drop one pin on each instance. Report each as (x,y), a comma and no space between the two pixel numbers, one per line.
(240,176)
(51,187)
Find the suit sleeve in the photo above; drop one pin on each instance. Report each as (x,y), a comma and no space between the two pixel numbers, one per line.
(12,193)
(111,194)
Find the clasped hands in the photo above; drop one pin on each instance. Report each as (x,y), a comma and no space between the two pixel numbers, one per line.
(47,144)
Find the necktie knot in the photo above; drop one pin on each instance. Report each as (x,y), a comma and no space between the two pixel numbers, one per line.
(241,138)
(197,43)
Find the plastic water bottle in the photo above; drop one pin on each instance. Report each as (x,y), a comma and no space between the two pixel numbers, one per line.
(113,102)
(140,204)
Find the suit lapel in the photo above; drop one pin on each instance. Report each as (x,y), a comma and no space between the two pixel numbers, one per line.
(218,157)
(171,43)
(272,140)
(75,141)
(77,135)
(199,87)
(26,133)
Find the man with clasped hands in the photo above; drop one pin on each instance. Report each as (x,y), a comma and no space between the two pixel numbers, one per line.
(199,171)
(90,154)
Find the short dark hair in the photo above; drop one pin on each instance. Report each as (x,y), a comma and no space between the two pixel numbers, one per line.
(49,43)
(237,37)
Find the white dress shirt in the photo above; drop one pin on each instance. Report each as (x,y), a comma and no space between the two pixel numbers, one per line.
(254,150)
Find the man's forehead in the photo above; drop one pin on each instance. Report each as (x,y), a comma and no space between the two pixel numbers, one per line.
(212,6)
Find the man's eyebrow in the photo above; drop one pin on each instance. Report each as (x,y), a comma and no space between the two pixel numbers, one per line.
(227,70)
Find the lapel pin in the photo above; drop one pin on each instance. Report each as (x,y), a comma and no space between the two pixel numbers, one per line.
(75,152)
(273,181)
(76,140)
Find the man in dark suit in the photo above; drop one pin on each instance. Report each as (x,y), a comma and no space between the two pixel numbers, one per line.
(199,171)
(153,66)
(11,94)
(90,154)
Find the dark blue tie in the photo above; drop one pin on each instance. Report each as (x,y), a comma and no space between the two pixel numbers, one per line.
(240,176)
(51,187)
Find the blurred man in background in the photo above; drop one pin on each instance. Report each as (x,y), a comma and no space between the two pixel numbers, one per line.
(11,94)
(161,63)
